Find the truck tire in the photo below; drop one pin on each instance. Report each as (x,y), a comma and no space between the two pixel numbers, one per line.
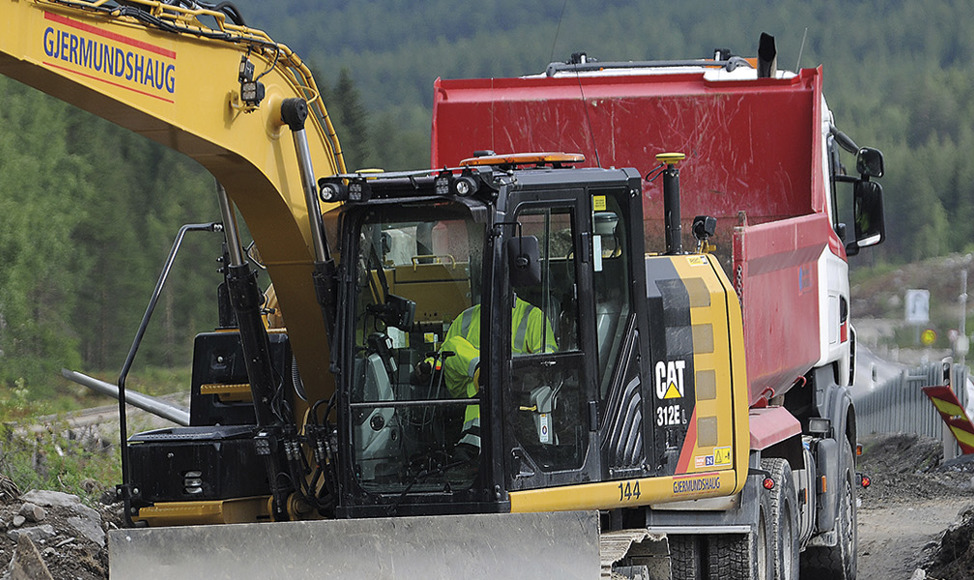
(685,561)
(838,562)
(743,557)
(783,531)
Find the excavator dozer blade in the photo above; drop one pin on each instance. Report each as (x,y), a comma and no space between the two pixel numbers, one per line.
(528,545)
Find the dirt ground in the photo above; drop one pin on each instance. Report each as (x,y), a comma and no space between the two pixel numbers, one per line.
(51,535)
(913,500)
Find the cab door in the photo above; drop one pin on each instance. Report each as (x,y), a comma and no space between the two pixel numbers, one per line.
(550,411)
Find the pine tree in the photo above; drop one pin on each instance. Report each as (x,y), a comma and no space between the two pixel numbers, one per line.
(42,202)
(354,120)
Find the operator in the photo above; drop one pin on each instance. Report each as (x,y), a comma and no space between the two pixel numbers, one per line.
(530,333)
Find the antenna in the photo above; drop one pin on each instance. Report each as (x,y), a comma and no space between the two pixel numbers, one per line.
(801,50)
(591,133)
(561,16)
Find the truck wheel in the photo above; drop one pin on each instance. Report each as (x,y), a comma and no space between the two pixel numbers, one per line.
(685,557)
(743,557)
(838,562)
(783,531)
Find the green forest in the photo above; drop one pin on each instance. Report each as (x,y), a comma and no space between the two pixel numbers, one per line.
(88,211)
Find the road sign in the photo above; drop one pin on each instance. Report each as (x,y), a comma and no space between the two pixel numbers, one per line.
(944,399)
(917,306)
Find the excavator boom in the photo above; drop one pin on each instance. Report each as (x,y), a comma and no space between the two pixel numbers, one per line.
(200,82)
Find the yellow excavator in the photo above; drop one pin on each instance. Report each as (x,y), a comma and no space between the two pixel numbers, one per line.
(474,368)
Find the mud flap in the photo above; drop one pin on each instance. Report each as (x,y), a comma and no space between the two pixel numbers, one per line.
(529,545)
(828,467)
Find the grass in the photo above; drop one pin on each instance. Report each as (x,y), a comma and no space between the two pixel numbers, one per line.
(41,452)
(60,459)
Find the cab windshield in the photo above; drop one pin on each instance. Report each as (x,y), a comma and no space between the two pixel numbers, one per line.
(417,271)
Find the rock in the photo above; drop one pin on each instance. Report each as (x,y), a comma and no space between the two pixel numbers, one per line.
(27,563)
(33,512)
(87,512)
(89,529)
(36,533)
(19,520)
(64,500)
(47,498)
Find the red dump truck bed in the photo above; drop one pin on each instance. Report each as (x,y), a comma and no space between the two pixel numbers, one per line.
(754,152)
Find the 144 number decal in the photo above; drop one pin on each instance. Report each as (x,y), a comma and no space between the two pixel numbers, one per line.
(629,491)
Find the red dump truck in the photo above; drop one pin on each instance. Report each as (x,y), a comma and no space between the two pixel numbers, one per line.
(762,156)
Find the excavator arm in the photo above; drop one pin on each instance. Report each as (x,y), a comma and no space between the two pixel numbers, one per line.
(199,81)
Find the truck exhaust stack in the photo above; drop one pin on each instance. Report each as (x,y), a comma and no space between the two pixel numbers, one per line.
(767,57)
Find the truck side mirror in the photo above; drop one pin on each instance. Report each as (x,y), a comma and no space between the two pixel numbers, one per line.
(869,162)
(868,216)
(523,261)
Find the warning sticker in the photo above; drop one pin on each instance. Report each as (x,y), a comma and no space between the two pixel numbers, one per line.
(722,456)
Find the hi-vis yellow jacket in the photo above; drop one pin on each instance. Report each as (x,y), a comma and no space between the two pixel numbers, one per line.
(530,333)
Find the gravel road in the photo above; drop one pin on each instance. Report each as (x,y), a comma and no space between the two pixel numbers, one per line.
(912,501)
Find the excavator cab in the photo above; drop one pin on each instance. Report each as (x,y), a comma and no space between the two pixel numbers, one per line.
(535,269)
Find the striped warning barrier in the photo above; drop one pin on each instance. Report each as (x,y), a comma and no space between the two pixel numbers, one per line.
(953,414)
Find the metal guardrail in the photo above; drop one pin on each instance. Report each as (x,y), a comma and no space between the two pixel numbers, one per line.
(899,406)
